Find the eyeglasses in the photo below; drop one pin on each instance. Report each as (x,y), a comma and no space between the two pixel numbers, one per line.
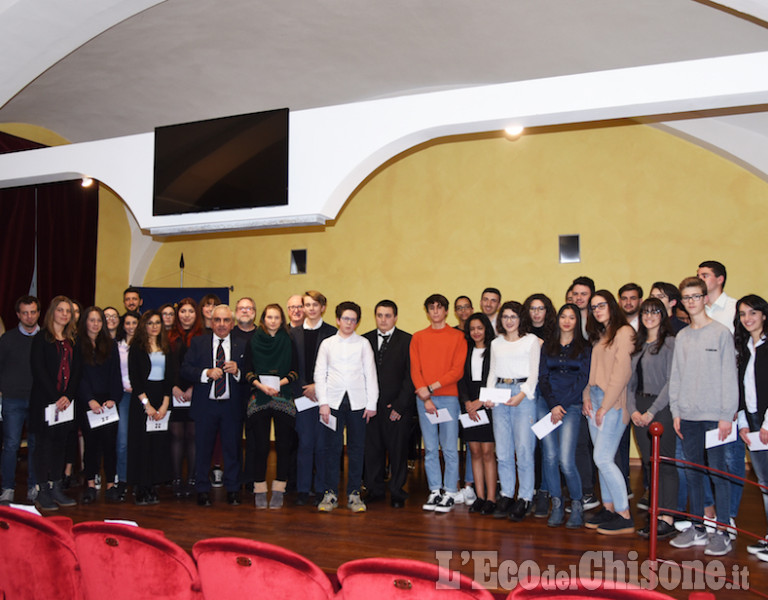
(693,298)
(463,307)
(509,317)
(538,308)
(295,308)
(111,317)
(350,320)
(154,323)
(165,314)
(246,308)
(598,306)
(651,311)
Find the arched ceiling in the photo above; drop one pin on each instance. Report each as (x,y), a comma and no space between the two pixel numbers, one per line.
(98,69)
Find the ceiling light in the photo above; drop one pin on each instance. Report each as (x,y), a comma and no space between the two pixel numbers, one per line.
(514,131)
(86,182)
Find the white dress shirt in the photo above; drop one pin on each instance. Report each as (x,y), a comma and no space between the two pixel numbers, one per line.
(346,365)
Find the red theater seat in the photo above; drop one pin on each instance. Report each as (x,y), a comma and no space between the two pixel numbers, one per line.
(38,558)
(535,589)
(122,562)
(400,579)
(239,568)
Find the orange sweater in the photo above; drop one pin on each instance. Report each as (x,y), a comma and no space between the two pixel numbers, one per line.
(438,355)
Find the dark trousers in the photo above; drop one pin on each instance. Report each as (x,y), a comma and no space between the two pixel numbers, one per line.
(386,437)
(668,480)
(257,443)
(100,443)
(311,451)
(334,444)
(584,462)
(622,456)
(218,417)
(49,451)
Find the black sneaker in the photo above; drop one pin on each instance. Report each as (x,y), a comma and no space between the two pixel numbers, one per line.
(477,506)
(89,495)
(603,516)
(645,502)
(758,546)
(113,494)
(301,499)
(520,509)
(663,531)
(488,508)
(503,506)
(618,525)
(588,501)
(541,502)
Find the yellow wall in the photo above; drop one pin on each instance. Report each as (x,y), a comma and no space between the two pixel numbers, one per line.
(459,214)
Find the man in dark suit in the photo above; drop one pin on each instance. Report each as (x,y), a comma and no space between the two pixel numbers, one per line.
(311,448)
(214,362)
(387,432)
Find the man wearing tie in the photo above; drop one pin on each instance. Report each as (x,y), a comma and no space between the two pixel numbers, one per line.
(214,361)
(387,432)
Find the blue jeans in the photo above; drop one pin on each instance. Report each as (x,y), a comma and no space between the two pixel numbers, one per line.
(694,433)
(334,444)
(445,436)
(514,437)
(735,453)
(122,437)
(541,411)
(311,451)
(15,412)
(613,486)
(559,454)
(682,483)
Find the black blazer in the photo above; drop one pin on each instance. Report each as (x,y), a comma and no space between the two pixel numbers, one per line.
(297,335)
(139,367)
(761,379)
(468,389)
(199,357)
(44,359)
(394,373)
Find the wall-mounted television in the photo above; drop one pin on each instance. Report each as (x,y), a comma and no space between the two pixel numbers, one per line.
(222,164)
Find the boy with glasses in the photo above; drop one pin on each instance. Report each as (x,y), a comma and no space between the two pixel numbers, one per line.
(703,395)
(347,389)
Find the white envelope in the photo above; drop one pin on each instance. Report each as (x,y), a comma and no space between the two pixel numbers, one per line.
(106,416)
(54,416)
(179,402)
(495,395)
(303,403)
(161,425)
(544,426)
(272,381)
(442,416)
(331,424)
(755,445)
(467,422)
(712,437)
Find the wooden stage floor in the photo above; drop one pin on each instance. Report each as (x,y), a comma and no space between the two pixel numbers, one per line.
(489,550)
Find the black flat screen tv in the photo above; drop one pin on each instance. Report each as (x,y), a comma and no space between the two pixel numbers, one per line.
(222,164)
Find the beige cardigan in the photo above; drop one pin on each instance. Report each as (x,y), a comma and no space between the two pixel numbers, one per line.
(611,369)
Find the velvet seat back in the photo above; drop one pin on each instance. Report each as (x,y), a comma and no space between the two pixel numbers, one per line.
(402,579)
(38,558)
(122,562)
(239,568)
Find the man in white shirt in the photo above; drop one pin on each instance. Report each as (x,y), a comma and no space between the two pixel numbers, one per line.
(720,307)
(347,391)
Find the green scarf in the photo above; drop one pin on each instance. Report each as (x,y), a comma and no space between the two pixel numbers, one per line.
(271,356)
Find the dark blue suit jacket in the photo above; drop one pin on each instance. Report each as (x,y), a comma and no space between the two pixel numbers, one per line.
(200,357)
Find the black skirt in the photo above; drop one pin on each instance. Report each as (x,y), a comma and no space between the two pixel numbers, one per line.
(149,453)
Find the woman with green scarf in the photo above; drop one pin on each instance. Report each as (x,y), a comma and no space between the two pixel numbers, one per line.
(271,369)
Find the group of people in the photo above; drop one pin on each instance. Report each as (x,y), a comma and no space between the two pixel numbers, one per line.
(187,379)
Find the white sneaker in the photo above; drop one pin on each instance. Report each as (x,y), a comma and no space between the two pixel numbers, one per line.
(762,556)
(7,496)
(732,529)
(458,497)
(431,503)
(447,502)
(469,495)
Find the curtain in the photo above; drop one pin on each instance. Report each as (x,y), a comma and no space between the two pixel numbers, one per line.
(17,248)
